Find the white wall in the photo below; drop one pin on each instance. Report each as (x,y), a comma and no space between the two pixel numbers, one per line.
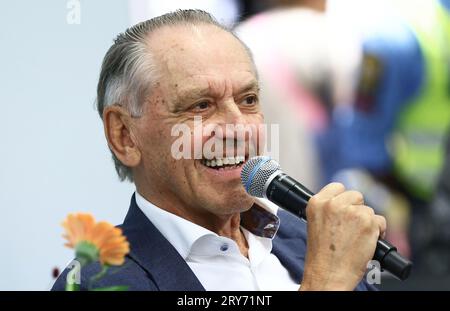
(53,155)
(225,11)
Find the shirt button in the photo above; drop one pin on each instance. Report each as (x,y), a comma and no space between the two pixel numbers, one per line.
(224,247)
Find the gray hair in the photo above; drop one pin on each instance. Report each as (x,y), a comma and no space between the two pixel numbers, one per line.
(128,70)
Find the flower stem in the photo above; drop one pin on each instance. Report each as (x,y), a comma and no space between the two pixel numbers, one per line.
(98,276)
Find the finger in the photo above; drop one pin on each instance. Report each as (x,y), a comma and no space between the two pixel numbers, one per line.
(330,191)
(349,198)
(381,222)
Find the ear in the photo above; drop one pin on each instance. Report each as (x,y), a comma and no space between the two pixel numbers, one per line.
(119,134)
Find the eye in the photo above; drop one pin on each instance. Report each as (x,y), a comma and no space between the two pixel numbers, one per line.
(250,100)
(201,106)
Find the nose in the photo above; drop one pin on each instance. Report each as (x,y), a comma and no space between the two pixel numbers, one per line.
(232,129)
(229,117)
(232,113)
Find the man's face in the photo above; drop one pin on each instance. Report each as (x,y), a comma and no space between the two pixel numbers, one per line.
(204,72)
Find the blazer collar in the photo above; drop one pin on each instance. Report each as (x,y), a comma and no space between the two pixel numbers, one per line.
(169,271)
(156,255)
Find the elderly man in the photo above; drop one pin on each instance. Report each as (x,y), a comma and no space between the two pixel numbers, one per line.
(191,225)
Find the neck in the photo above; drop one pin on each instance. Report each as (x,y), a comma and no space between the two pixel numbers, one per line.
(223,225)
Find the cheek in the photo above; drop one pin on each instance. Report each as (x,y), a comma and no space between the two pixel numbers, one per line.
(197,140)
(258,135)
(262,136)
(155,143)
(255,118)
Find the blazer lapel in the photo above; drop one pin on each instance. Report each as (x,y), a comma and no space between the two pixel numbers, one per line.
(169,270)
(156,255)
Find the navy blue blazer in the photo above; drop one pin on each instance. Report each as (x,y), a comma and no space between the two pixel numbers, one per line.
(153,264)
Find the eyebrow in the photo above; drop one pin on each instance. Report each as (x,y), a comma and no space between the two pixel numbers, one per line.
(193,93)
(253,85)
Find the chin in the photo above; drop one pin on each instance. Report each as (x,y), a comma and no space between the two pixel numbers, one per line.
(232,203)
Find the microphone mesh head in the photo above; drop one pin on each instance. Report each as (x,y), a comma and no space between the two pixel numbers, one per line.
(255,174)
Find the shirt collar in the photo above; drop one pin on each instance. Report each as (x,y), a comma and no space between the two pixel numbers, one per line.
(261,220)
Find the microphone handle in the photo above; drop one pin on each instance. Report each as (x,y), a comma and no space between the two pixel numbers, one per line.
(289,194)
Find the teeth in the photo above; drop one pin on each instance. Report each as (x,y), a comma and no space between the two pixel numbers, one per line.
(224,161)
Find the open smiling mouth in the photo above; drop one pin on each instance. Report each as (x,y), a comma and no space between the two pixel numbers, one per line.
(228,163)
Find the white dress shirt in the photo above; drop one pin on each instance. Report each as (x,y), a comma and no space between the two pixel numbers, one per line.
(217,261)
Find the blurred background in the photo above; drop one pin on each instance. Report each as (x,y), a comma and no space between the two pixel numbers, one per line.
(360,89)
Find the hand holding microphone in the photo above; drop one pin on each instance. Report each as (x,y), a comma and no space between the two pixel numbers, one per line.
(343,233)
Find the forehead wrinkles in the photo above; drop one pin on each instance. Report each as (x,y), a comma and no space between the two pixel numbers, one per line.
(220,88)
(209,85)
(200,58)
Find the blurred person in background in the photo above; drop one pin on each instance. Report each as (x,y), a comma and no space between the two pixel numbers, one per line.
(390,143)
(307,64)
(363,136)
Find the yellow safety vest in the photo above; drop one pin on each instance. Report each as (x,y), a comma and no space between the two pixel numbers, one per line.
(418,141)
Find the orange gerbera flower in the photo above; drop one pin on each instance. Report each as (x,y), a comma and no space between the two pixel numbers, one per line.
(95,241)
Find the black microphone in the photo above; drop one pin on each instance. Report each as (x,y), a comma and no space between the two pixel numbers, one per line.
(263,178)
